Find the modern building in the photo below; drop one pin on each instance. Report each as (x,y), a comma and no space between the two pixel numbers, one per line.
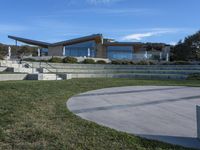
(96,46)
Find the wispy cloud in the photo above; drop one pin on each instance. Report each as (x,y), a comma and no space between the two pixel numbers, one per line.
(151,33)
(101,11)
(102,1)
(8,28)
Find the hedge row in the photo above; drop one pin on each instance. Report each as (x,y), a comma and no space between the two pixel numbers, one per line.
(73,60)
(68,59)
(194,76)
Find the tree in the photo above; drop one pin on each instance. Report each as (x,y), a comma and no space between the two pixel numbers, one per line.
(189,49)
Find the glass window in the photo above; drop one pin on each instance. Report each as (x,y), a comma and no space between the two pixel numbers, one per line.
(120,52)
(44,51)
(87,49)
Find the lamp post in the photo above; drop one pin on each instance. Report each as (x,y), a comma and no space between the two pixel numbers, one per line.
(9,52)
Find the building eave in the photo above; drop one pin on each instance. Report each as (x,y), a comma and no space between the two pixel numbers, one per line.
(29,41)
(95,37)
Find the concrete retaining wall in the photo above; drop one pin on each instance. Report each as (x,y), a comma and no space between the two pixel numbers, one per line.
(42,76)
(9,77)
(110,66)
(22,70)
(198,122)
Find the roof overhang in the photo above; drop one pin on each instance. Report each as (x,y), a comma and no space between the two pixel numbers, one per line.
(96,37)
(122,43)
(31,42)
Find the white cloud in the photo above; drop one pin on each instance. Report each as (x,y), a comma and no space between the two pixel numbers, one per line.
(153,32)
(102,1)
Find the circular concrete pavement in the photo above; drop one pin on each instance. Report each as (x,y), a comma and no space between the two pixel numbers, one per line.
(165,113)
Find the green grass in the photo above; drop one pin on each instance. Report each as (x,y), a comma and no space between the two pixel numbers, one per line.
(33,115)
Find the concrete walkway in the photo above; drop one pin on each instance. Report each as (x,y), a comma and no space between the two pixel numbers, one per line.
(165,113)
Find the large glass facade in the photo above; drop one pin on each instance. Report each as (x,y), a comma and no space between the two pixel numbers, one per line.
(120,52)
(83,49)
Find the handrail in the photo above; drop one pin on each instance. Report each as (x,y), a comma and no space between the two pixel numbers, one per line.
(22,62)
(50,70)
(43,67)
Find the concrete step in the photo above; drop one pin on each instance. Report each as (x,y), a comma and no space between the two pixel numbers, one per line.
(10,77)
(122,71)
(133,75)
(133,67)
(110,66)
(21,70)
(49,77)
(43,76)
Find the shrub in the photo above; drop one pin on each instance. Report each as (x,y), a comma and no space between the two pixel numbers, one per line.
(143,62)
(101,62)
(56,60)
(194,76)
(43,60)
(132,63)
(116,62)
(71,60)
(152,63)
(181,63)
(126,62)
(166,63)
(1,57)
(89,61)
(29,59)
(122,62)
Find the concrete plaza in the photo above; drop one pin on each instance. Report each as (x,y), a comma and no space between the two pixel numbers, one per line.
(164,113)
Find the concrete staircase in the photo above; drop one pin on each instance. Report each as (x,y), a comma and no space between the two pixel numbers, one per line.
(12,70)
(123,71)
(60,71)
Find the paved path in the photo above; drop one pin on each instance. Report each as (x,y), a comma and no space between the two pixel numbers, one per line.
(165,113)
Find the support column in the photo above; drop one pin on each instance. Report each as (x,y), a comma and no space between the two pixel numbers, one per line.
(39,53)
(63,50)
(160,55)
(167,57)
(88,53)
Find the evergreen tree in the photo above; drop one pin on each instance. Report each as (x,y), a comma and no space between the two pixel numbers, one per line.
(189,49)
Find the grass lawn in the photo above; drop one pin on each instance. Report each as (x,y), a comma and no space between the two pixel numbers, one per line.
(33,115)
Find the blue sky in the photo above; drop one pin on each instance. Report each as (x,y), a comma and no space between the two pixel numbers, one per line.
(124,20)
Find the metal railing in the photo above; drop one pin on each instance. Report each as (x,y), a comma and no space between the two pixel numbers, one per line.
(56,69)
(27,65)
